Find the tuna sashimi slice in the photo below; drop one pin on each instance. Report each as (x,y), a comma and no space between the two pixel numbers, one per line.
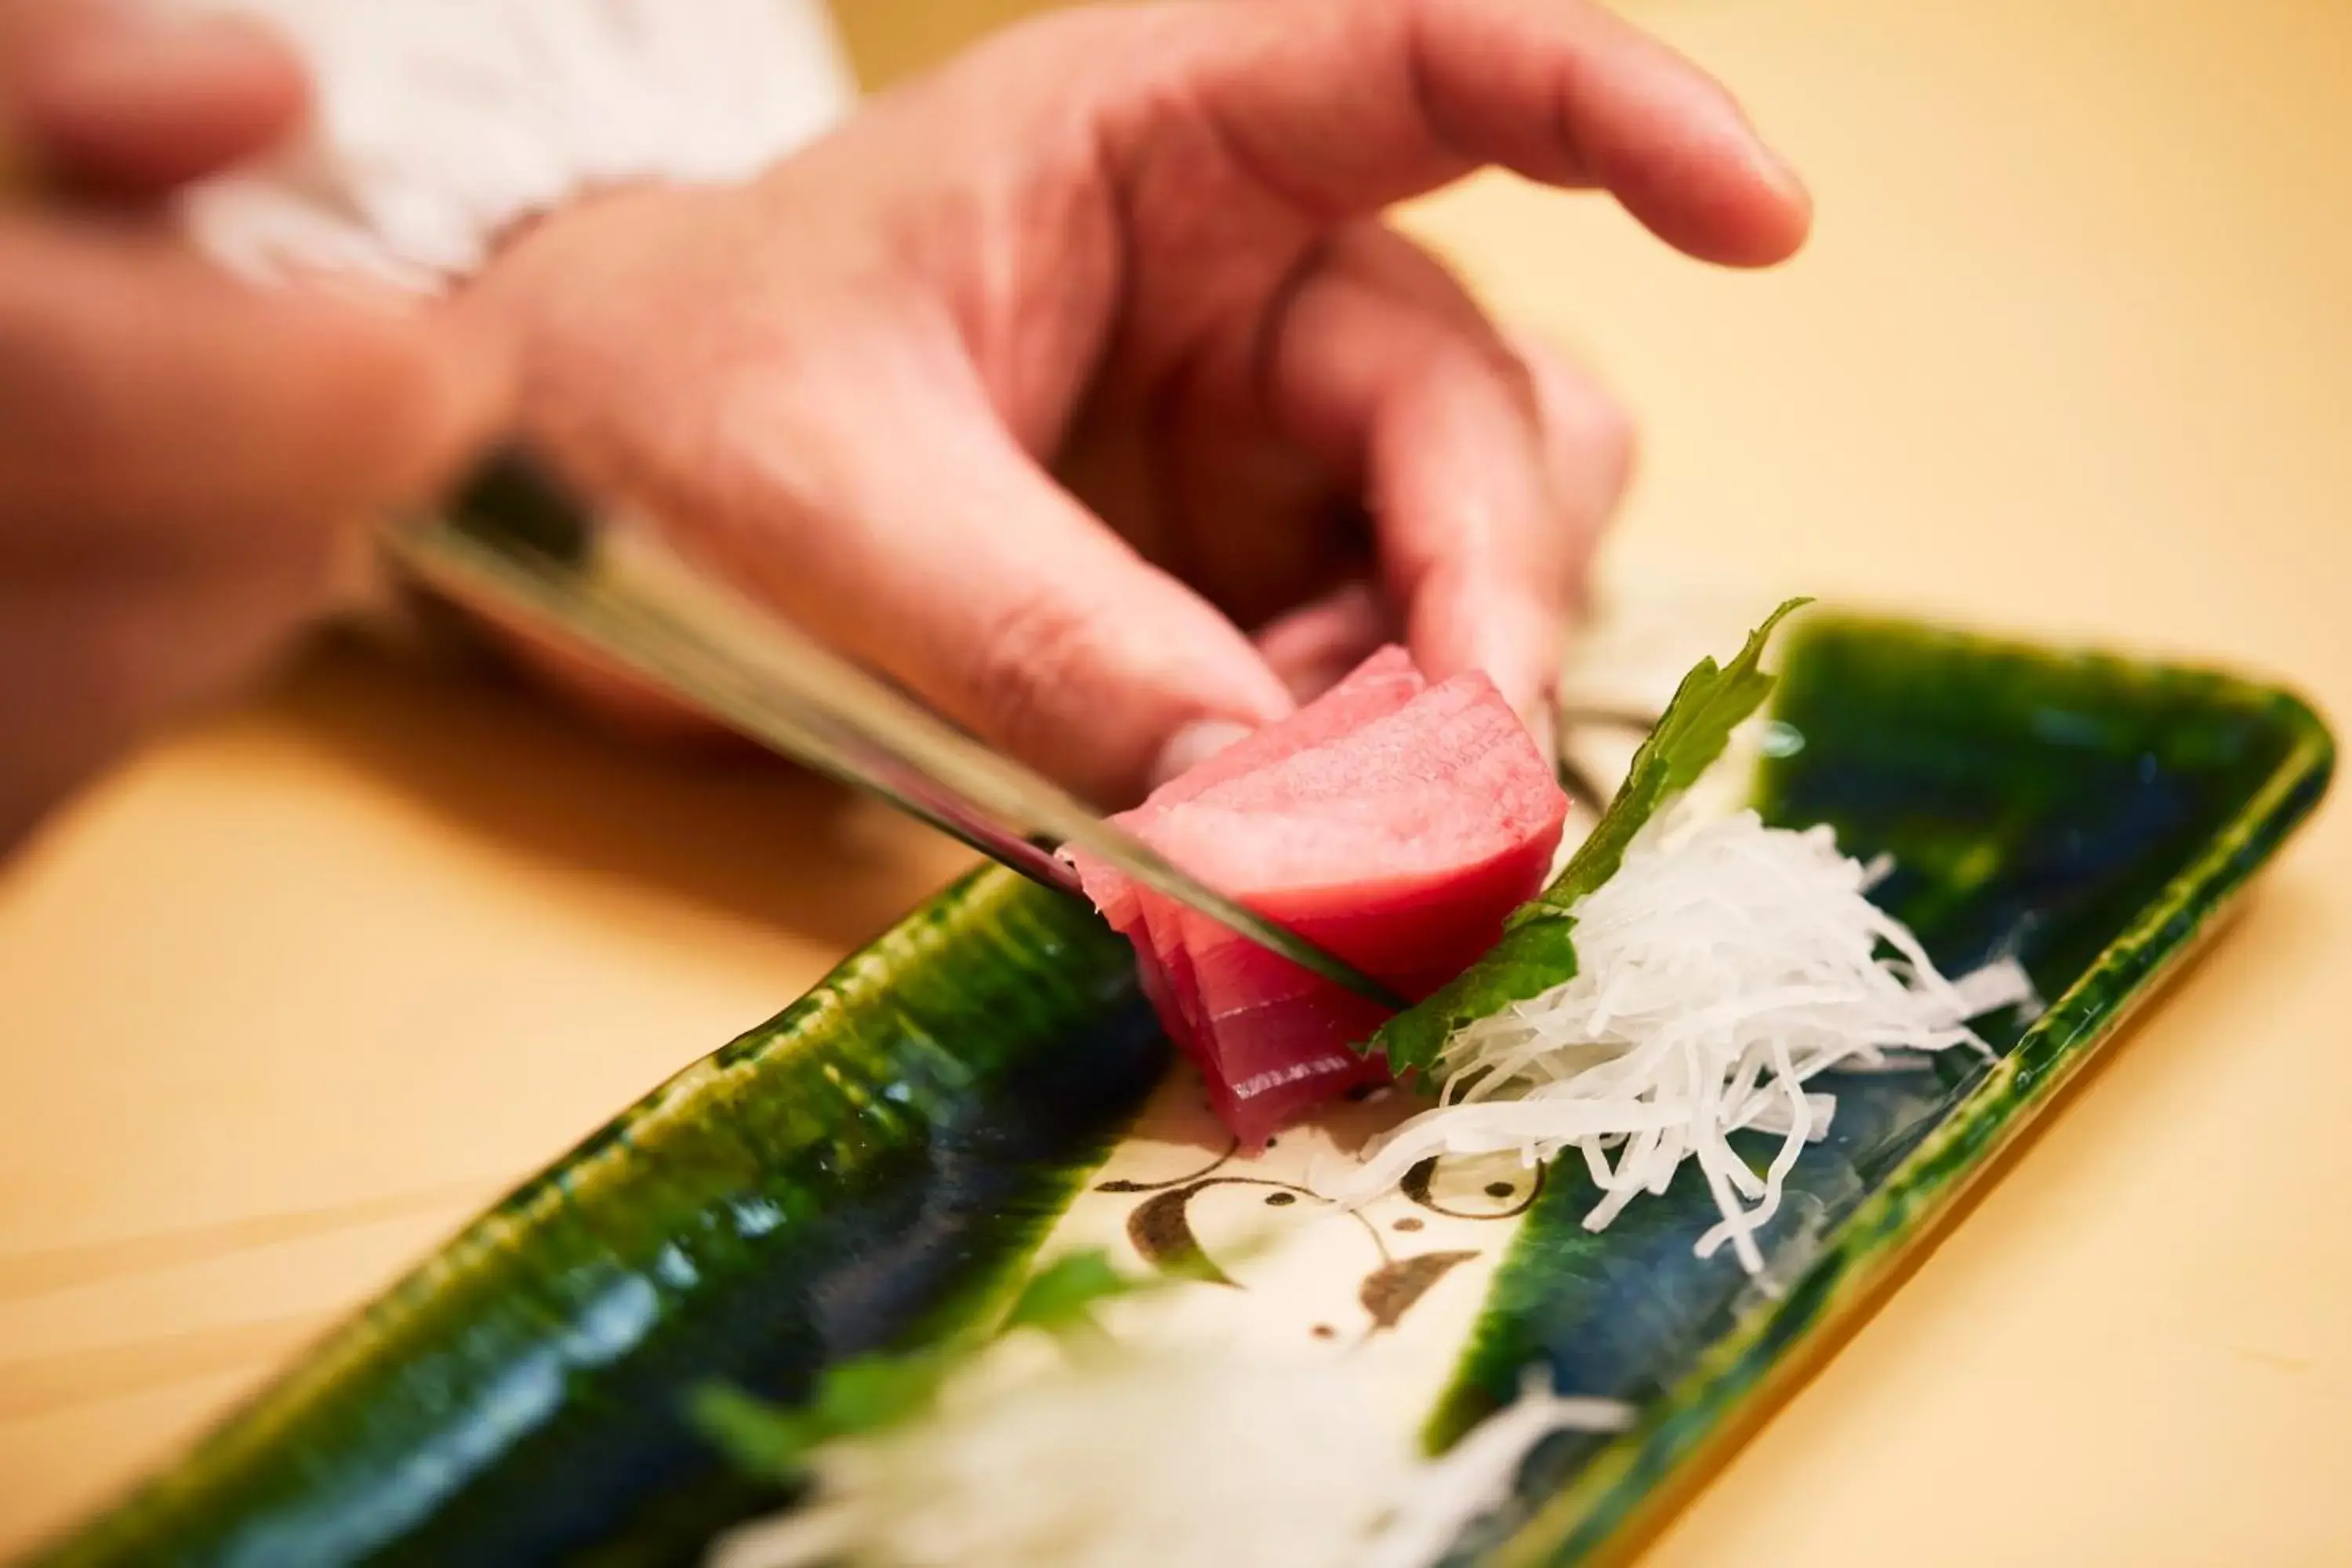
(1374,689)
(1380,685)
(1173,942)
(1399,845)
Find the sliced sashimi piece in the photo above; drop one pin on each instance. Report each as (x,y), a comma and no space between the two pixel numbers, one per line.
(1174,935)
(1401,845)
(1256,1066)
(1280,1039)
(1159,944)
(1374,689)
(1152,975)
(1380,685)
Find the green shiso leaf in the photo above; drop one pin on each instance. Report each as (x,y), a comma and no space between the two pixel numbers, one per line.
(1537,952)
(867,1395)
(873,1394)
(1063,1294)
(877,1391)
(759,1437)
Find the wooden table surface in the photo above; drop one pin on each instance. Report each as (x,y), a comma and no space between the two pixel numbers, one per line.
(293,996)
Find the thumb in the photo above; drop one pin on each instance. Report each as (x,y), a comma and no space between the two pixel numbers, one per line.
(942,557)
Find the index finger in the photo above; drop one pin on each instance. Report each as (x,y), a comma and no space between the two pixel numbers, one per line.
(1347,106)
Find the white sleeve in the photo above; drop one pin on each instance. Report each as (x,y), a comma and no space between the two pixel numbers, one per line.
(442,123)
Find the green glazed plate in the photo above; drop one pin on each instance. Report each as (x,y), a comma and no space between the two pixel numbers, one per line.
(888,1156)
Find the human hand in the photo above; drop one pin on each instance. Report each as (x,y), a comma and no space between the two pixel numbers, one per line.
(178,453)
(1078,388)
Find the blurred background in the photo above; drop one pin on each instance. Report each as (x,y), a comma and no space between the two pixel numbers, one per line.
(2071,355)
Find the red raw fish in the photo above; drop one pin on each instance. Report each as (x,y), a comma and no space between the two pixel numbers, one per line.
(1380,685)
(1392,823)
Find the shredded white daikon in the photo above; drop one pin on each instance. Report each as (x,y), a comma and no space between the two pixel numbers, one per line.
(1723,968)
(1444,1496)
(1184,1460)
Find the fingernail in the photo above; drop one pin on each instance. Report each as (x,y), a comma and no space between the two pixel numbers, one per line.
(1193,745)
(1778,173)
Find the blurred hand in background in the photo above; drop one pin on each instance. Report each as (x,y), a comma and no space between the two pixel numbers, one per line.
(1079,387)
(178,452)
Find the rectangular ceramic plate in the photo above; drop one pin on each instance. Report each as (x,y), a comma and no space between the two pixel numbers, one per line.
(889,1155)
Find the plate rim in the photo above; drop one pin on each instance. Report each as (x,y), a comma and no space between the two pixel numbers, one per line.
(1627,1491)
(1687,1435)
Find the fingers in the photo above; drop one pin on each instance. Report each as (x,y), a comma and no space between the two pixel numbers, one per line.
(1488,478)
(180,459)
(122,100)
(1021,616)
(1345,106)
(1317,644)
(908,529)
(1589,449)
(149,403)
